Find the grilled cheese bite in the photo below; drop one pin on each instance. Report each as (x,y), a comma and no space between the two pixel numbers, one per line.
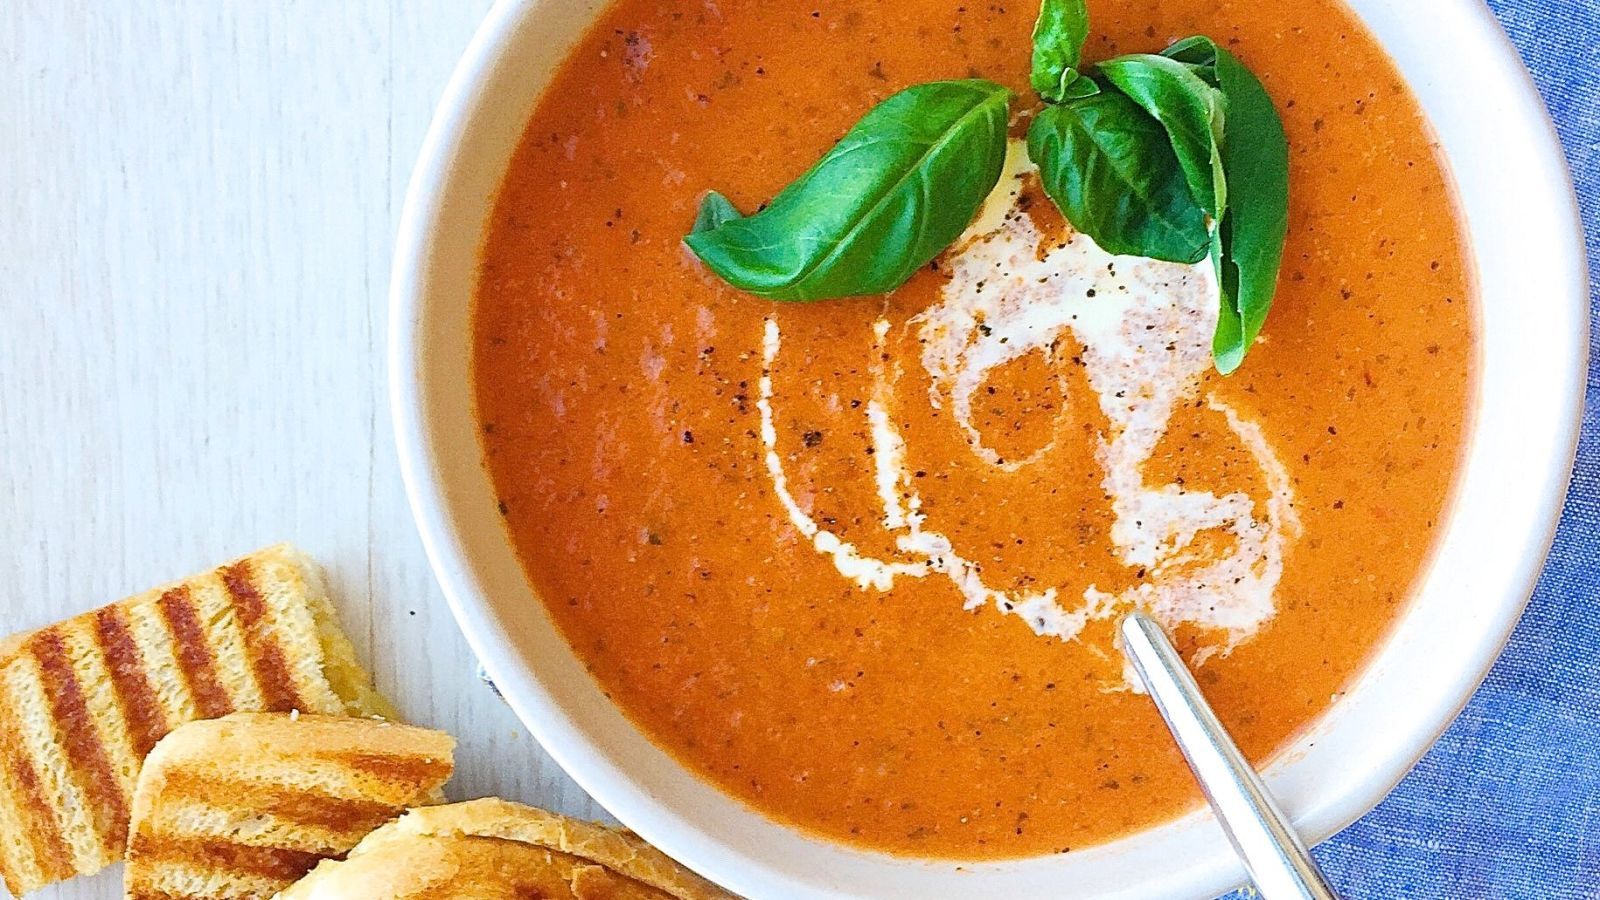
(489,849)
(83,701)
(241,807)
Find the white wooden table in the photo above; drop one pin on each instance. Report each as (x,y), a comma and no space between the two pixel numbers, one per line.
(197,204)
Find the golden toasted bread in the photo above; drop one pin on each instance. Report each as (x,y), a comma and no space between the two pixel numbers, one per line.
(491,849)
(83,701)
(468,868)
(239,808)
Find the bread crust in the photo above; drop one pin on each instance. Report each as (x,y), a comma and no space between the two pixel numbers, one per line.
(609,857)
(467,868)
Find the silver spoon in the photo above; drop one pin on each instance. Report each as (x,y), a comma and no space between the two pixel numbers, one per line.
(1273,853)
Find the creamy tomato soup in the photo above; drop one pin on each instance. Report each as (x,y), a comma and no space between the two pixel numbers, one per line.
(858,561)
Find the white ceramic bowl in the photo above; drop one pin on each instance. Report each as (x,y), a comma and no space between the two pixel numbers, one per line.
(1525,228)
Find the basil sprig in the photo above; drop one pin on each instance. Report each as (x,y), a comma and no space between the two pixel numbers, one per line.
(1191,115)
(1174,156)
(896,190)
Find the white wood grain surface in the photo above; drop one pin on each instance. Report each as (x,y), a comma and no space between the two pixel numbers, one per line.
(197,205)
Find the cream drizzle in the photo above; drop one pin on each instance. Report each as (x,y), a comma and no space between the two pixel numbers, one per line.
(1145,328)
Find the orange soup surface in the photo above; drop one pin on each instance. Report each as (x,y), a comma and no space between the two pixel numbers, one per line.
(858,562)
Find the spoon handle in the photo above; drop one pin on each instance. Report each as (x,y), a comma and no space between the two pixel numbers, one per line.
(1273,853)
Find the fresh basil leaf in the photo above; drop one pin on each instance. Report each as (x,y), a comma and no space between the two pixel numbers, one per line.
(1058,36)
(893,193)
(1255,158)
(1078,87)
(1192,112)
(1111,169)
(1198,51)
(715,209)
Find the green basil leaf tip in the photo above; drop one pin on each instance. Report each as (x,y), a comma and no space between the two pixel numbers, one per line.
(1078,87)
(715,210)
(896,190)
(1058,38)
(1110,168)
(1199,51)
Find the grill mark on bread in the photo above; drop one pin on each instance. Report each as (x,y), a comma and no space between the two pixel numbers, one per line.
(352,816)
(42,833)
(392,767)
(194,654)
(50,850)
(224,856)
(81,741)
(146,723)
(264,652)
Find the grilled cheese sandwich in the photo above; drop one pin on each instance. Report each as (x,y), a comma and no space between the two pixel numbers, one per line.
(241,807)
(83,701)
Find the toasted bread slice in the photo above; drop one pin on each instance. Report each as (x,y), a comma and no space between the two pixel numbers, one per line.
(83,701)
(241,807)
(492,848)
(467,868)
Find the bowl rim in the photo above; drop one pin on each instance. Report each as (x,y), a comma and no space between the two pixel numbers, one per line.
(429,495)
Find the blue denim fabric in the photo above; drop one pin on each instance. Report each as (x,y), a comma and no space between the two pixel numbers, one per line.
(1507,805)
